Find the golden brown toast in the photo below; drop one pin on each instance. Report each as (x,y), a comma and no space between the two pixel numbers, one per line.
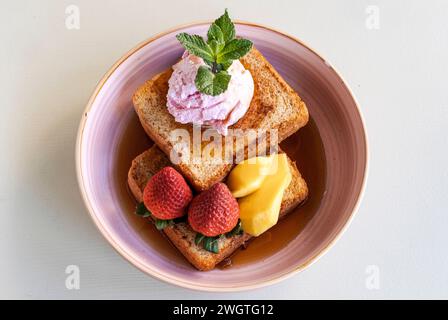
(181,235)
(275,105)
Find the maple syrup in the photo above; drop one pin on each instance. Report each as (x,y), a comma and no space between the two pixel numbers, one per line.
(134,141)
(304,147)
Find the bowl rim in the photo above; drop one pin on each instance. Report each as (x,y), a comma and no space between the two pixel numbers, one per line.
(150,271)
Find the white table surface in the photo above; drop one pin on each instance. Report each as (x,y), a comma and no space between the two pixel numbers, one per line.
(399,74)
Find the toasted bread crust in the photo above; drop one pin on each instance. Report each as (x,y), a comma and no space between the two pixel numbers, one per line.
(273,97)
(181,234)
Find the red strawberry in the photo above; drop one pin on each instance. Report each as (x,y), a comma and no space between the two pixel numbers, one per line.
(214,211)
(167,194)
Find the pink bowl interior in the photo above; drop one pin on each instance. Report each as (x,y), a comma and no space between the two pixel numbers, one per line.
(111,116)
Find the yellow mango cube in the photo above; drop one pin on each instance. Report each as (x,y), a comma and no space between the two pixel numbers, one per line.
(260,209)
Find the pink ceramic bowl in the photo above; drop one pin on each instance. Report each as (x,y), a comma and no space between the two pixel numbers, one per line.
(331,152)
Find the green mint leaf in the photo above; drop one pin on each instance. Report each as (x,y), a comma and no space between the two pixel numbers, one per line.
(216,46)
(236,231)
(215,247)
(226,65)
(211,244)
(215,33)
(196,46)
(226,26)
(142,211)
(212,84)
(233,50)
(198,239)
(162,224)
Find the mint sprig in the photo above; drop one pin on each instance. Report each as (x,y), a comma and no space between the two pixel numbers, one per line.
(218,53)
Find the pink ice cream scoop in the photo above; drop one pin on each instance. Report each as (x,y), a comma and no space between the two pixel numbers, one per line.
(188,105)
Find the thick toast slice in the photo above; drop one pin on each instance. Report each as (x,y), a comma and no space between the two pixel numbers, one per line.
(275,105)
(181,235)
